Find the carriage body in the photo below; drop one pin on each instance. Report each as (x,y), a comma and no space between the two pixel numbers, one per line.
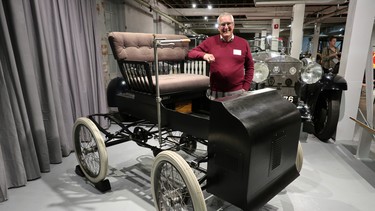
(251,139)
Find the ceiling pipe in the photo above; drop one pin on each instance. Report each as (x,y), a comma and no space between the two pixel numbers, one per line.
(337,12)
(157,10)
(292,2)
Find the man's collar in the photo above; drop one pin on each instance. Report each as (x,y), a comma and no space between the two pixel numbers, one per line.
(230,40)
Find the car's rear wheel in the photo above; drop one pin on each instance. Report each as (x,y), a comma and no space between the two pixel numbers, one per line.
(90,150)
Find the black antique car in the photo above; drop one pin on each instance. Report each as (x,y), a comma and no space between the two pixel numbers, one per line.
(314,90)
(243,149)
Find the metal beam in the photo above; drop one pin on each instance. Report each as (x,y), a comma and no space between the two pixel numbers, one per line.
(328,20)
(157,10)
(320,19)
(272,11)
(233,11)
(293,2)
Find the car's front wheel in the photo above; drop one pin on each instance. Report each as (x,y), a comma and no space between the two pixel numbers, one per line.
(326,115)
(174,185)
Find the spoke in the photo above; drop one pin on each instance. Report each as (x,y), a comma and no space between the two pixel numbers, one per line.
(172,189)
(89,154)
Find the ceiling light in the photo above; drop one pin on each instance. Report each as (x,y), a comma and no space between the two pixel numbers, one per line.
(209,7)
(205,17)
(194,5)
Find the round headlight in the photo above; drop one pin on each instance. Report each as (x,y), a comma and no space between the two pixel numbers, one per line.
(292,70)
(311,72)
(261,72)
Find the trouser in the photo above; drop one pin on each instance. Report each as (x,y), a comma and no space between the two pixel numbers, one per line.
(212,95)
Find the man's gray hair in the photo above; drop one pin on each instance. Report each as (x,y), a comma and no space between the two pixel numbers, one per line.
(225,14)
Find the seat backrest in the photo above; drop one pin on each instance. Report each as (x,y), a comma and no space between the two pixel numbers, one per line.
(129,46)
(134,53)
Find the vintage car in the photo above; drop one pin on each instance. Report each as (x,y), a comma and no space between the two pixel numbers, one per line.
(246,155)
(277,70)
(314,90)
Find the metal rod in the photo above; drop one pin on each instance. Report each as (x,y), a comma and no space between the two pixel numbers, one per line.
(158,99)
(172,42)
(158,42)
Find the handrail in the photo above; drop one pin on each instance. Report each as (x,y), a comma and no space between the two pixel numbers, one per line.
(371,130)
(159,42)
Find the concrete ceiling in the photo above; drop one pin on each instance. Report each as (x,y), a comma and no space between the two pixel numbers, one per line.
(253,16)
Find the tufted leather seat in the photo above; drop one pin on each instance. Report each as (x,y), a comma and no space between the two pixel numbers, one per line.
(131,47)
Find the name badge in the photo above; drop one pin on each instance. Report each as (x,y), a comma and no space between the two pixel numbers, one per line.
(236,52)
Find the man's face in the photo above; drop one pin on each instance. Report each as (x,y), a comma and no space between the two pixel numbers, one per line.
(226,27)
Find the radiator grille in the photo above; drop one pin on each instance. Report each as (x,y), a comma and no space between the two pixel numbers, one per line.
(276,152)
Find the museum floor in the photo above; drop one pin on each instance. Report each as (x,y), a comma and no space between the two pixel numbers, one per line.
(331,179)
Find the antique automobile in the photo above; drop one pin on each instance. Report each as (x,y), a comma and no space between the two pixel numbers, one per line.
(248,144)
(314,90)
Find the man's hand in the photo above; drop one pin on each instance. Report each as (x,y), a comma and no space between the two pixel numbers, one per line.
(209,57)
(333,55)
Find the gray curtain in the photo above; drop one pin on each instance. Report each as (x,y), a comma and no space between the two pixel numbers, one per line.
(50,74)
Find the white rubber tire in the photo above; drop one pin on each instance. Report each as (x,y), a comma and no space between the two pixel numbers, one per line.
(299,158)
(186,173)
(101,149)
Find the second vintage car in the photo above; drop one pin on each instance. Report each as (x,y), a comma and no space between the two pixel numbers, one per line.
(315,91)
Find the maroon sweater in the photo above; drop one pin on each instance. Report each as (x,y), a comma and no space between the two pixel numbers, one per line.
(233,68)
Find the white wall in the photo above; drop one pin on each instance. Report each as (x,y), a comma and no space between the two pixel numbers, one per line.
(135,17)
(138,18)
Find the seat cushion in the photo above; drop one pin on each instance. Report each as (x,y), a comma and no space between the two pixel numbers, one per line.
(174,83)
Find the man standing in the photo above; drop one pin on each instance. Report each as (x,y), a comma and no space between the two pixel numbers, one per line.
(331,55)
(231,63)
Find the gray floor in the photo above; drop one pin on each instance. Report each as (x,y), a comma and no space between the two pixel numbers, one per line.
(331,179)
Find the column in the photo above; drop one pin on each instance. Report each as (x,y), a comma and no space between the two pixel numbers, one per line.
(296,30)
(275,34)
(315,40)
(358,30)
(263,39)
(257,39)
(157,23)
